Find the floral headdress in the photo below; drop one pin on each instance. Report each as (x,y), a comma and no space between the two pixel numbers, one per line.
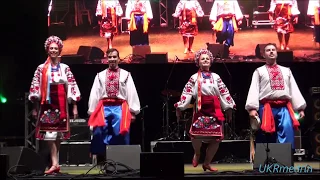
(202,51)
(53,39)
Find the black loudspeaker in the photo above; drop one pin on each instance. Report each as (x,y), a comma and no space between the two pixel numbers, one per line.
(75,153)
(281,153)
(23,160)
(4,165)
(72,59)
(285,56)
(316,144)
(58,29)
(259,51)
(79,129)
(127,155)
(315,103)
(141,50)
(162,164)
(90,53)
(216,49)
(157,58)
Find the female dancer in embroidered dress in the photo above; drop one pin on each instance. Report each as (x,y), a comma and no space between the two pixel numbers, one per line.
(211,96)
(314,13)
(53,87)
(189,10)
(139,14)
(285,13)
(107,12)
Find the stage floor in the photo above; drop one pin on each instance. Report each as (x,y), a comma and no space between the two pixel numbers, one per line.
(162,40)
(189,169)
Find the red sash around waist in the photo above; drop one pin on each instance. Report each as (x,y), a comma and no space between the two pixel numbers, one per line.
(268,124)
(97,118)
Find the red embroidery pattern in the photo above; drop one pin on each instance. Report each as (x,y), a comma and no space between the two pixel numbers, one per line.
(35,84)
(71,81)
(224,92)
(276,78)
(112,82)
(187,90)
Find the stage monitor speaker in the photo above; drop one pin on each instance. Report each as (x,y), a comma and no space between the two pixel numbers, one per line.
(124,155)
(4,165)
(281,153)
(316,144)
(259,51)
(157,58)
(24,160)
(216,49)
(315,102)
(162,164)
(141,50)
(90,53)
(58,29)
(72,59)
(285,56)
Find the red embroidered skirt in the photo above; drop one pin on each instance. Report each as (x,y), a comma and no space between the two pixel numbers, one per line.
(188,28)
(54,117)
(283,21)
(207,123)
(107,26)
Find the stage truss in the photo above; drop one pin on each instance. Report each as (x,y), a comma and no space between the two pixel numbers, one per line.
(163,9)
(30,140)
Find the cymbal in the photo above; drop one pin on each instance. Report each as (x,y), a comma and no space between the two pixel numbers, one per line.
(171,93)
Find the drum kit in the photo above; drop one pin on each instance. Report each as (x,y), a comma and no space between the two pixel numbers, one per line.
(177,129)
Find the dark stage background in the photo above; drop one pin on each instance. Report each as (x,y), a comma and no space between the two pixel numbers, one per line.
(24,51)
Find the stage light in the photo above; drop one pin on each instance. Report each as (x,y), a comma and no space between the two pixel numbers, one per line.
(3,99)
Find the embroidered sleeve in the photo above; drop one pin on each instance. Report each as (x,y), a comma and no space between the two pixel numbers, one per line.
(237,9)
(119,10)
(226,100)
(129,9)
(311,7)
(95,94)
(253,94)
(294,9)
(98,10)
(199,10)
(132,96)
(73,92)
(179,8)
(149,10)
(273,4)
(35,88)
(297,100)
(186,95)
(214,12)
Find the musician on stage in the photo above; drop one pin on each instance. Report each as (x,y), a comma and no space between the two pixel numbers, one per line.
(274,97)
(225,16)
(189,10)
(107,12)
(113,105)
(285,14)
(212,97)
(314,13)
(139,14)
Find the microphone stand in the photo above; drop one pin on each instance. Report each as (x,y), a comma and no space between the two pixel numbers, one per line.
(143,128)
(165,118)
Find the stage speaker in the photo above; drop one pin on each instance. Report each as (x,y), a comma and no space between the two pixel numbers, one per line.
(75,153)
(90,53)
(259,51)
(285,56)
(315,102)
(216,49)
(124,155)
(297,139)
(4,165)
(157,58)
(316,144)
(141,50)
(162,164)
(24,160)
(58,29)
(280,153)
(72,59)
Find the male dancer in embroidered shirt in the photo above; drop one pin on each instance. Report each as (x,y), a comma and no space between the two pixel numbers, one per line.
(225,16)
(314,13)
(113,103)
(275,95)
